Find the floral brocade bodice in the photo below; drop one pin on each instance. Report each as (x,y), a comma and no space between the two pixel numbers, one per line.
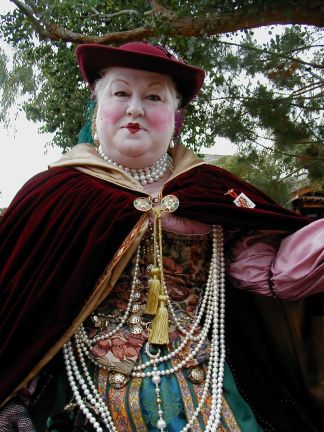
(146,387)
(186,260)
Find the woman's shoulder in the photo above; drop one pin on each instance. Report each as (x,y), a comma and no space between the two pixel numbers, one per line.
(61,179)
(39,189)
(52,186)
(49,180)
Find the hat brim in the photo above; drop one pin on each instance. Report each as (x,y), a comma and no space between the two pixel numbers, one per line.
(93,58)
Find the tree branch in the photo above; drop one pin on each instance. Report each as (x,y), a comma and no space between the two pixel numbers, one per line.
(188,26)
(58,32)
(32,5)
(274,149)
(307,88)
(290,174)
(306,47)
(280,55)
(112,15)
(29,13)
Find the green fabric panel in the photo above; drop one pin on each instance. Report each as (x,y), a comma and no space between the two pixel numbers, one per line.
(173,409)
(85,134)
(242,412)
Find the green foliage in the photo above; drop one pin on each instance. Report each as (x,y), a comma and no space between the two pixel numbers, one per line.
(266,97)
(14,83)
(264,170)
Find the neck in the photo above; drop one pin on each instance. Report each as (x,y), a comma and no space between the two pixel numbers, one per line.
(153,189)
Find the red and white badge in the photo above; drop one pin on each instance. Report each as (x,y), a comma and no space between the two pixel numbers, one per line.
(240,200)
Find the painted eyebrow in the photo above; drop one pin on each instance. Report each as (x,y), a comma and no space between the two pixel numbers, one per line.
(152,84)
(119,80)
(156,83)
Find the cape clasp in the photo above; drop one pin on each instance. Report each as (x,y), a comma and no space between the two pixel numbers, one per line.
(168,204)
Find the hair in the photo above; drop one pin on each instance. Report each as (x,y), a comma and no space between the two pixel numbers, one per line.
(100,85)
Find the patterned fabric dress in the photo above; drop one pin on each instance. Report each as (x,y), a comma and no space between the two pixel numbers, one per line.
(132,400)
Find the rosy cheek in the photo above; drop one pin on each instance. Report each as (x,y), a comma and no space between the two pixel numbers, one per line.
(161,119)
(110,115)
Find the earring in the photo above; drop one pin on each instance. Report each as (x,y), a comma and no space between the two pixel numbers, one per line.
(171,145)
(94,128)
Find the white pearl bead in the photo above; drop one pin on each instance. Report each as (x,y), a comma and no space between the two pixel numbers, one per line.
(156,379)
(161,424)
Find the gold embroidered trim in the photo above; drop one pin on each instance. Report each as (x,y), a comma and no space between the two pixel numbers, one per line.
(134,404)
(116,400)
(228,417)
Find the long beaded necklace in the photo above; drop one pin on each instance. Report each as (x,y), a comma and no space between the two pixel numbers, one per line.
(145,175)
(212,307)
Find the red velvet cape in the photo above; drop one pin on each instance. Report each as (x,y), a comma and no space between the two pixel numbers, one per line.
(63,228)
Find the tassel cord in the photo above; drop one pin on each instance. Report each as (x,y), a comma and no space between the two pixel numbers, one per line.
(160,327)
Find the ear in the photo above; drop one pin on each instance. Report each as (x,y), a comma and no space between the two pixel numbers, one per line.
(178,121)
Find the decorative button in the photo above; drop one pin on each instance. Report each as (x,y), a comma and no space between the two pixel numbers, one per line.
(137,329)
(196,374)
(117,380)
(136,307)
(169,203)
(136,295)
(143,204)
(134,319)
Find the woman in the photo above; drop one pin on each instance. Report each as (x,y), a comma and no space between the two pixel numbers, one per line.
(115,256)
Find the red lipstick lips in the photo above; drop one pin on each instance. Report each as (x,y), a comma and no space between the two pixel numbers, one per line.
(133,127)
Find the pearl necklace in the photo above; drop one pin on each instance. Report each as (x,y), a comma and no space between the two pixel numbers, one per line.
(213,305)
(145,175)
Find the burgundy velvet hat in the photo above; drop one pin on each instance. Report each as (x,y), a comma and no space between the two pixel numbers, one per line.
(93,58)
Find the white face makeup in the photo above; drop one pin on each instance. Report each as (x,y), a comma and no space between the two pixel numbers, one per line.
(135,117)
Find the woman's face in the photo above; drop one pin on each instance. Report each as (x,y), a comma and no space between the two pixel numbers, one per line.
(135,117)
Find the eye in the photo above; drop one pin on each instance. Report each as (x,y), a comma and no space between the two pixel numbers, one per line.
(120,93)
(154,97)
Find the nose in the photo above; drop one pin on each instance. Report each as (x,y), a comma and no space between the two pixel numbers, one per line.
(135,108)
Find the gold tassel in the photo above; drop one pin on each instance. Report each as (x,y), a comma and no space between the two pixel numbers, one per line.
(153,293)
(159,334)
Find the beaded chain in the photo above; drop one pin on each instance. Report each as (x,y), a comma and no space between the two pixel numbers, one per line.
(212,308)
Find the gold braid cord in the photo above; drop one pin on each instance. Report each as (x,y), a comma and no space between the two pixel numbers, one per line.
(157,299)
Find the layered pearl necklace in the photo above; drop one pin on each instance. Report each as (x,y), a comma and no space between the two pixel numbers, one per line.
(145,175)
(211,309)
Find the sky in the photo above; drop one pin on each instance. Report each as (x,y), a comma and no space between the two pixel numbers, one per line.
(24,152)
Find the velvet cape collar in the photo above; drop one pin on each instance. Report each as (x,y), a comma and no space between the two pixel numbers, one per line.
(71,230)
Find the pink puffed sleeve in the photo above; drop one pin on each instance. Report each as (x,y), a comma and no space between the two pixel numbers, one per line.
(290,269)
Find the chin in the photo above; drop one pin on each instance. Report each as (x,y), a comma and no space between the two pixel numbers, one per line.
(139,156)
(138,162)
(133,156)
